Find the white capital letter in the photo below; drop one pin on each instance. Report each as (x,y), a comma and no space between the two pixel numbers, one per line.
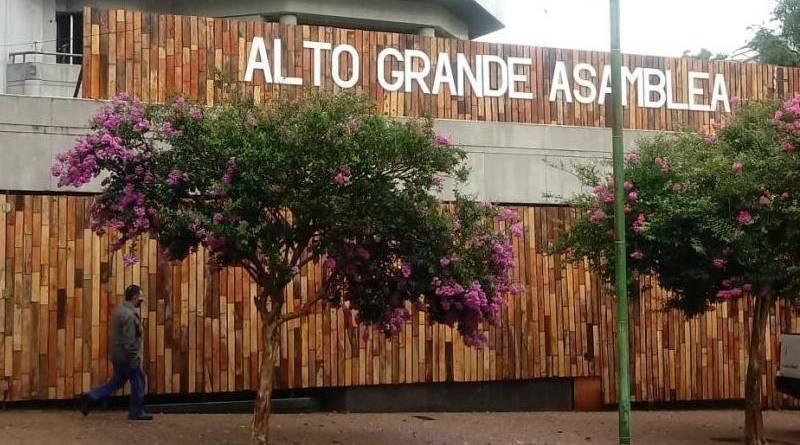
(605,87)
(258,61)
(560,83)
(502,76)
(355,66)
(586,83)
(671,104)
(694,91)
(513,77)
(418,76)
(720,94)
(633,78)
(657,88)
(397,76)
(475,79)
(443,74)
(317,60)
(278,68)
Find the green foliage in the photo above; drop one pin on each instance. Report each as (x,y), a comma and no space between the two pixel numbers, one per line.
(714,216)
(286,159)
(780,47)
(704,54)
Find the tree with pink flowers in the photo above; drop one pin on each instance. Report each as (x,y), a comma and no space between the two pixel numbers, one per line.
(714,216)
(320,179)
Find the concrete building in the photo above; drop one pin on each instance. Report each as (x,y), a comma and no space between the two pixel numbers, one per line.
(55,26)
(524,115)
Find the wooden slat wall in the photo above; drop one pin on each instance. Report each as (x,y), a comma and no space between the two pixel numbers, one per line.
(59,284)
(153,56)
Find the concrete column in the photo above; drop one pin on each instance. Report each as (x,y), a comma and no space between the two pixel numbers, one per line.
(427,32)
(288,19)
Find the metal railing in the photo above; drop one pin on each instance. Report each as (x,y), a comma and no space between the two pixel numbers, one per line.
(13,56)
(13,59)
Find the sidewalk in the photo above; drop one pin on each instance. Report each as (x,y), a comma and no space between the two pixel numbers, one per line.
(649,428)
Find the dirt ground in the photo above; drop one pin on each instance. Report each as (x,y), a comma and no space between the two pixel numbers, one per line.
(649,428)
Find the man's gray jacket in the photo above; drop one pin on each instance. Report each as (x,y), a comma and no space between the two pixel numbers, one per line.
(126,336)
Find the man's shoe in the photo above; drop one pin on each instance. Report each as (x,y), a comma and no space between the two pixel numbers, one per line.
(85,404)
(141,417)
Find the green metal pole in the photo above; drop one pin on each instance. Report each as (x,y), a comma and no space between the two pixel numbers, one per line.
(621,279)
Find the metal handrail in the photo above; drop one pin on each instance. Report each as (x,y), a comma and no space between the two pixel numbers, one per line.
(24,54)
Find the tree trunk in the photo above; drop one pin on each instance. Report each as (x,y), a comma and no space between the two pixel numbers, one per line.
(263,405)
(753,418)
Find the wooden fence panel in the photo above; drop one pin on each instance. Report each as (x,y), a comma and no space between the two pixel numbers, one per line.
(59,284)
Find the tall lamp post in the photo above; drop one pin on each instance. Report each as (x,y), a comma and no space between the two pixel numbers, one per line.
(621,279)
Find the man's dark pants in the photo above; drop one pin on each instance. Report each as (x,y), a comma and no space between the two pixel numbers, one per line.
(124,374)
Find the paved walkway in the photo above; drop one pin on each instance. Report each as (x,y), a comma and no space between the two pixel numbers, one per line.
(650,428)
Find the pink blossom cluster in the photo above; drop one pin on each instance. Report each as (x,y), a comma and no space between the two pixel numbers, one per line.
(788,121)
(395,320)
(214,243)
(230,172)
(176,177)
(733,288)
(727,294)
(169,130)
(343,175)
(508,215)
(123,113)
(196,113)
(442,140)
(105,145)
(603,193)
(662,164)
(466,306)
(598,216)
(117,144)
(517,230)
(503,255)
(639,224)
(351,267)
(744,218)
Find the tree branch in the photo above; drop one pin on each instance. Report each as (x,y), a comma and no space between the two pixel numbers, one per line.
(304,309)
(306,260)
(274,314)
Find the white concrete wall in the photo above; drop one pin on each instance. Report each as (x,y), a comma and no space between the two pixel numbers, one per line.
(25,25)
(32,131)
(42,79)
(525,163)
(510,163)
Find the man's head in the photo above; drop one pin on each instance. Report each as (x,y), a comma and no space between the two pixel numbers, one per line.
(133,294)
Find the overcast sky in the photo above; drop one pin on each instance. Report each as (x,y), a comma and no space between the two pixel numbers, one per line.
(652,27)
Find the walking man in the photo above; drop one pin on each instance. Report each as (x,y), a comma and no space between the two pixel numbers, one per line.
(126,356)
